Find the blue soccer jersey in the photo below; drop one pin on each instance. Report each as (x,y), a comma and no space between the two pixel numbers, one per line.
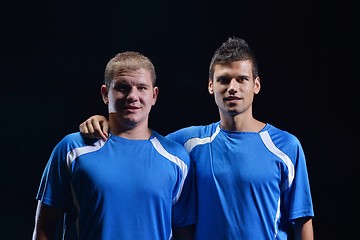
(119,189)
(250,185)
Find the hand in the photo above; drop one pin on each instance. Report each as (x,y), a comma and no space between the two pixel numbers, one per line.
(96,126)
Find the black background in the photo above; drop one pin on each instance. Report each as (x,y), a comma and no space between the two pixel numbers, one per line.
(53,55)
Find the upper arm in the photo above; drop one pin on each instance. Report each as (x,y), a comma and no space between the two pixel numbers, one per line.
(48,222)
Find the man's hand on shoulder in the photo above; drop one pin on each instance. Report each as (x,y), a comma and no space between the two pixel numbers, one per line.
(96,126)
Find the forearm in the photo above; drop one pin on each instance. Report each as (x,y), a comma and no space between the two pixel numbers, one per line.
(303,230)
(184,233)
(48,223)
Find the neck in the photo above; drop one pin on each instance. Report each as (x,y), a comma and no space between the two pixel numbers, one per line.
(240,123)
(133,134)
(134,131)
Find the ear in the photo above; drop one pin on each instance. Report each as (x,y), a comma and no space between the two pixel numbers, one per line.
(257,85)
(155,95)
(104,93)
(210,86)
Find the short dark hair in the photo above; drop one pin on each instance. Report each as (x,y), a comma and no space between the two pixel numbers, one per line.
(234,49)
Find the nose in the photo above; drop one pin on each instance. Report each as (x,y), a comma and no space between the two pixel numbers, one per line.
(233,86)
(132,95)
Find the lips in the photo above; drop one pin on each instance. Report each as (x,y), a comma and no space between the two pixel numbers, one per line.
(232,98)
(131,108)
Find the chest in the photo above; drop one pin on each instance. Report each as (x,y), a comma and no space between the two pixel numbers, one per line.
(118,170)
(238,161)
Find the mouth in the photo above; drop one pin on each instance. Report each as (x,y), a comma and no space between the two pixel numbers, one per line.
(131,108)
(232,99)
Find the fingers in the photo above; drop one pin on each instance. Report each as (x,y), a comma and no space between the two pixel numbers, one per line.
(105,128)
(95,127)
(87,130)
(84,129)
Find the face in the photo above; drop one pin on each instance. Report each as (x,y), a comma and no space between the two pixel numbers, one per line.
(130,96)
(233,87)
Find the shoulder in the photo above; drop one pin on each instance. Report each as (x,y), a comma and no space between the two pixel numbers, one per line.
(74,140)
(201,131)
(170,146)
(168,143)
(283,140)
(75,136)
(280,135)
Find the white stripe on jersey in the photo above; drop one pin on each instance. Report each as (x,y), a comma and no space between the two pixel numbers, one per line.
(76,152)
(192,142)
(157,145)
(271,146)
(70,157)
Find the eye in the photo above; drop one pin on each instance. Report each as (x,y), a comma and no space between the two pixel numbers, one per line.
(122,87)
(224,80)
(242,79)
(142,87)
